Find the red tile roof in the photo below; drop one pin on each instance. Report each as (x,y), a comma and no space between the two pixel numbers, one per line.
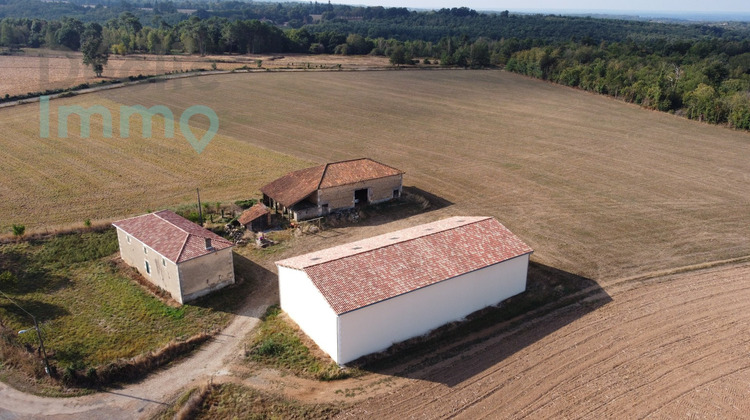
(253,213)
(294,187)
(172,236)
(361,273)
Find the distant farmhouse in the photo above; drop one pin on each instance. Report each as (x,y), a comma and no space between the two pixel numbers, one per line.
(360,298)
(319,190)
(176,254)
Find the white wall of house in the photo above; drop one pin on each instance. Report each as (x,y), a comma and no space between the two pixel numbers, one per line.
(205,274)
(374,328)
(304,303)
(162,272)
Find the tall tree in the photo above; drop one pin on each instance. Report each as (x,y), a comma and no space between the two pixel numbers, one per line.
(95,52)
(69,34)
(398,56)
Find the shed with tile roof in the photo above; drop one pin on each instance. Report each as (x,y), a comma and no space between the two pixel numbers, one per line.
(257,218)
(360,298)
(175,254)
(319,190)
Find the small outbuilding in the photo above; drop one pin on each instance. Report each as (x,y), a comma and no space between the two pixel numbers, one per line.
(362,297)
(175,254)
(317,191)
(257,218)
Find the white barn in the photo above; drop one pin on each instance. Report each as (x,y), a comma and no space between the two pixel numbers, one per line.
(360,298)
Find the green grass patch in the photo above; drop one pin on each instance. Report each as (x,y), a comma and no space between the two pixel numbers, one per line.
(277,344)
(90,312)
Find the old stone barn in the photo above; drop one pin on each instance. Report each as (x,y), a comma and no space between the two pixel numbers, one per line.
(323,189)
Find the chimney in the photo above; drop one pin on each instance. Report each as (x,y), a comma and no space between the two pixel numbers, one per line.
(208,244)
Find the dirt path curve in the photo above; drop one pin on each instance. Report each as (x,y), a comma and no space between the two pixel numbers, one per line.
(141,399)
(672,346)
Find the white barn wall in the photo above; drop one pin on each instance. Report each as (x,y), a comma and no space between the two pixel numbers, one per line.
(374,328)
(304,303)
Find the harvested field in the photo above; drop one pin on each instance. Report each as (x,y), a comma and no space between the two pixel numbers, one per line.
(49,182)
(38,70)
(597,187)
(676,347)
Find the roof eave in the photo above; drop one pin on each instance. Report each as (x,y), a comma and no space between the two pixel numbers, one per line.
(423,287)
(203,255)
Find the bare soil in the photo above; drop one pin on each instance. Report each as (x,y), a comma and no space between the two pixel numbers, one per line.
(672,347)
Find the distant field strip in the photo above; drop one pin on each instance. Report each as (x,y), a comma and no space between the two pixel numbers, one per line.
(596,186)
(676,347)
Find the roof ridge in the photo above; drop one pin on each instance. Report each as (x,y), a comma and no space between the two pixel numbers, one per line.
(130,218)
(159,216)
(397,242)
(182,248)
(323,176)
(387,166)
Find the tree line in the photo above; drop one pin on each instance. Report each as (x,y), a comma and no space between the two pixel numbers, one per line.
(706,80)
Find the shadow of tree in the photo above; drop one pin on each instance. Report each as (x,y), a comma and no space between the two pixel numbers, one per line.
(70,355)
(42,311)
(28,275)
(548,290)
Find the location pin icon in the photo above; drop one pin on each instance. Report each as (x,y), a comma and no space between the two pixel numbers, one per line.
(213,128)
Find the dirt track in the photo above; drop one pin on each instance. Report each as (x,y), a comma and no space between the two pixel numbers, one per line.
(676,346)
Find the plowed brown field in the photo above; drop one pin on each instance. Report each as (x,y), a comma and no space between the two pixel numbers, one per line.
(675,347)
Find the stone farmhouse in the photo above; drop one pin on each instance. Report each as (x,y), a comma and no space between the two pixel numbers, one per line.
(176,254)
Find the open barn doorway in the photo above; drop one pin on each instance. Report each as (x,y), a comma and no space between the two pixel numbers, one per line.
(361,197)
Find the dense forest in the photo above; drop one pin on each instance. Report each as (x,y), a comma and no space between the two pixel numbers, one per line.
(699,70)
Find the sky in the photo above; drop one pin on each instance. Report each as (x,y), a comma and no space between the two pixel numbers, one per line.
(673,6)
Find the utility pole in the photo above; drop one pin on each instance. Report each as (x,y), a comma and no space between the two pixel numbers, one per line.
(38,334)
(200,210)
